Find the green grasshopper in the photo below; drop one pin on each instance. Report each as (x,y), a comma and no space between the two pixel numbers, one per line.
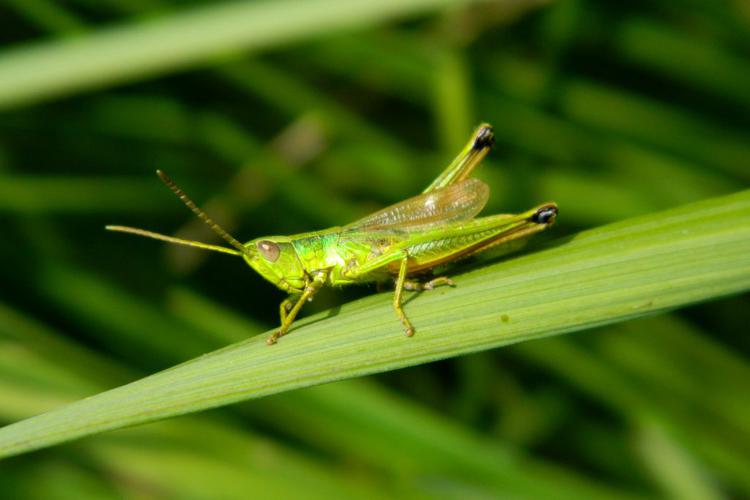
(400,242)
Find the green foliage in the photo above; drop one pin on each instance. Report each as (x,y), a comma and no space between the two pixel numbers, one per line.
(282,117)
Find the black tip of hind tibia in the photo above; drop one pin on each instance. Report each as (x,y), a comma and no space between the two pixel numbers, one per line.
(545,215)
(485,137)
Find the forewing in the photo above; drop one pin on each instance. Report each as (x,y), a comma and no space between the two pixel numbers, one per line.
(460,201)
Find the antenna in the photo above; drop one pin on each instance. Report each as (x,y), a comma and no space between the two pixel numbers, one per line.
(201,215)
(171,239)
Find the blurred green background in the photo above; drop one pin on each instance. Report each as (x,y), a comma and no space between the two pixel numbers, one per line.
(612,109)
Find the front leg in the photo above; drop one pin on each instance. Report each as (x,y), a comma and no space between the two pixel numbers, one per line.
(288,315)
(286,306)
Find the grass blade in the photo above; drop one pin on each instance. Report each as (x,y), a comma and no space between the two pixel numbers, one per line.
(156,47)
(613,273)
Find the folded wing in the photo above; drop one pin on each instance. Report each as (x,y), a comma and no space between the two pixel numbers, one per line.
(460,201)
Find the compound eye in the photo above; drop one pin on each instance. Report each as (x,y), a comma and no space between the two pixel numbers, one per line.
(269,250)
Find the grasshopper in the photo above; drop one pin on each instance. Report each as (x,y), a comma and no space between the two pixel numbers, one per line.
(401,242)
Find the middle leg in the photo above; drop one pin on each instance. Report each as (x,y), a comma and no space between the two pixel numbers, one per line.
(397,297)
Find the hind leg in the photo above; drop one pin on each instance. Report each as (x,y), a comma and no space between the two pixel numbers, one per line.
(428,285)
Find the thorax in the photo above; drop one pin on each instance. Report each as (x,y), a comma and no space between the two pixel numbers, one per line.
(329,250)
